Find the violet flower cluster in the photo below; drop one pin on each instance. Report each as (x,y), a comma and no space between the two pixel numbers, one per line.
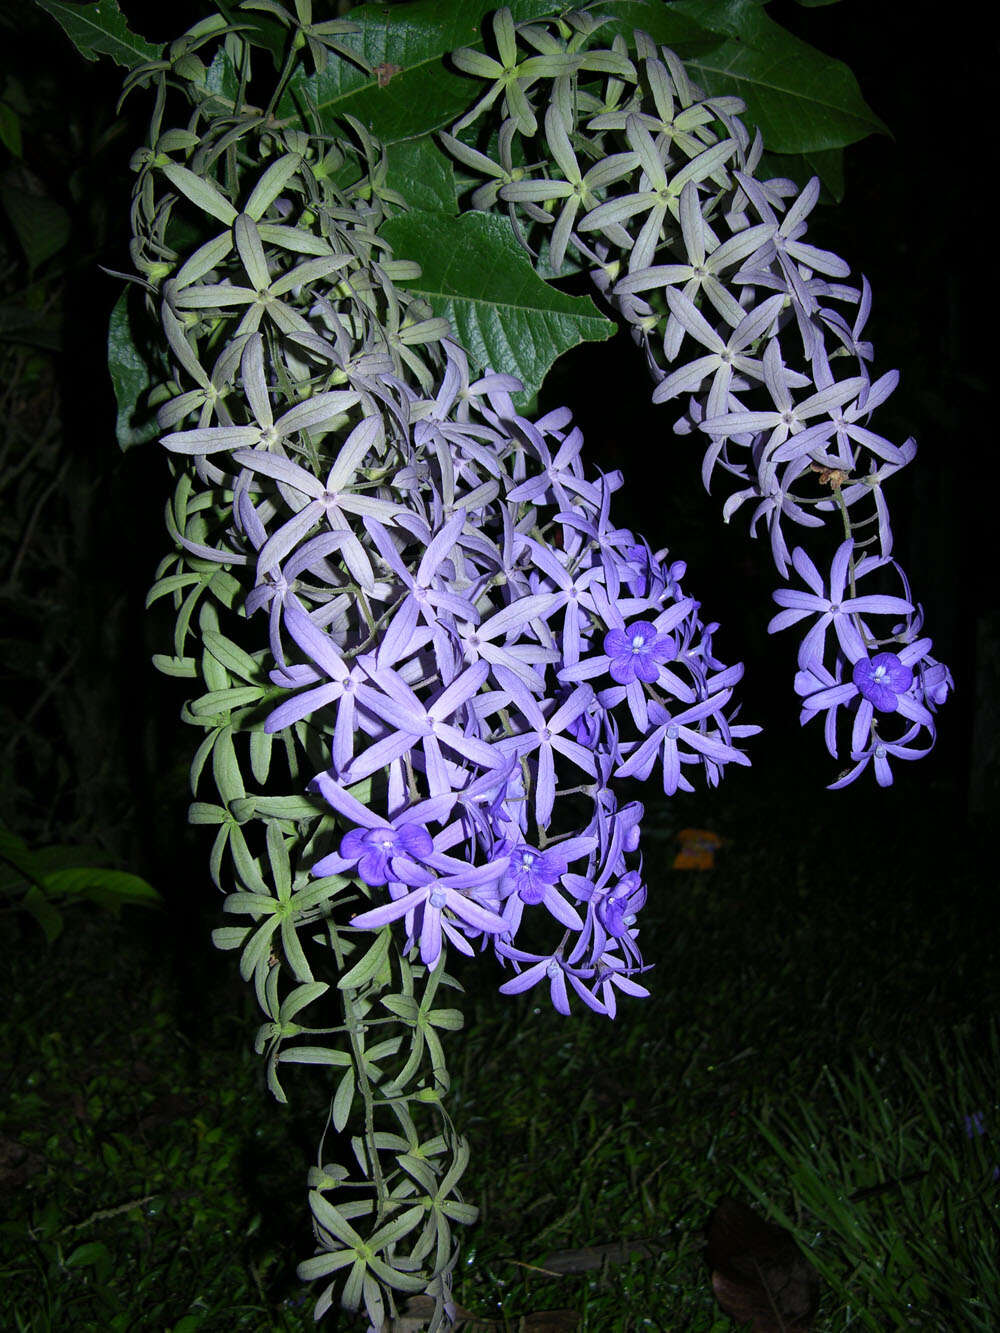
(503,653)
(449,603)
(754,330)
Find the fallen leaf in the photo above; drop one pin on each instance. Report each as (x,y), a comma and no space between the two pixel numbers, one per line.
(596,1256)
(759,1275)
(418,1310)
(697,849)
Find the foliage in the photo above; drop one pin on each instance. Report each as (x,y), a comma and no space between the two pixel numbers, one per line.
(36,880)
(432,646)
(67,744)
(776,964)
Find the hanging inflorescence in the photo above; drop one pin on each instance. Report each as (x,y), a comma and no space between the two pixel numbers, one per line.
(427,650)
(611,159)
(459,651)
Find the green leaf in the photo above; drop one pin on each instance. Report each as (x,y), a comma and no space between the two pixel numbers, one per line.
(261,743)
(801,100)
(35,328)
(300,997)
(221,703)
(10,129)
(370,964)
(64,871)
(666,24)
(173,666)
(258,29)
(41,861)
(477,276)
(232,657)
(107,888)
(16,853)
(403,1006)
(344,1096)
(100,29)
(92,1254)
(422,174)
(288,807)
(202,193)
(130,378)
(230,937)
(423,94)
(48,917)
(313,1055)
(451,1020)
(41,225)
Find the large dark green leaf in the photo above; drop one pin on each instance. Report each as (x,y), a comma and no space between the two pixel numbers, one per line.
(801,167)
(423,174)
(421,94)
(100,29)
(41,224)
(33,328)
(667,25)
(802,100)
(131,378)
(503,314)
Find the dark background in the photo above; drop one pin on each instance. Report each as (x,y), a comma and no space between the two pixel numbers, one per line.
(101,754)
(914,220)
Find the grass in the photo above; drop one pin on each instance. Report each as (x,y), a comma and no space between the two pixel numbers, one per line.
(820,1041)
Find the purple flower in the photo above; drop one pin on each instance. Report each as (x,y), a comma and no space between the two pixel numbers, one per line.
(878,752)
(612,974)
(414,721)
(833,696)
(553,969)
(531,878)
(543,735)
(637,652)
(736,279)
(669,733)
(836,609)
(882,679)
(375,849)
(531,872)
(619,908)
(378,846)
(431,901)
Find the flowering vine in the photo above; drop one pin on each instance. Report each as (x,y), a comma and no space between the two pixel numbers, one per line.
(426,651)
(746,324)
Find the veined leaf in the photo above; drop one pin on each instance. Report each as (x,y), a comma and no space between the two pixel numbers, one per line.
(369,965)
(109,888)
(130,377)
(477,276)
(100,29)
(342,1100)
(801,100)
(411,91)
(41,224)
(665,23)
(313,1055)
(423,174)
(231,655)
